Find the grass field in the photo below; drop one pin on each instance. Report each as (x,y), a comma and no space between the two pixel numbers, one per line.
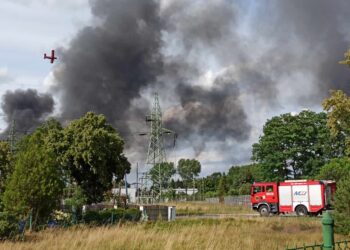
(186,233)
(199,208)
(241,233)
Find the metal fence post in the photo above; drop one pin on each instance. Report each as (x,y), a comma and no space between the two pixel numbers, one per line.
(328,231)
(30,221)
(74,215)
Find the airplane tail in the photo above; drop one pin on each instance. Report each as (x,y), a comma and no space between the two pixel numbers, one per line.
(45,56)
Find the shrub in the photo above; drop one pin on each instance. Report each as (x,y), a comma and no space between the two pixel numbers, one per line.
(8,226)
(132,214)
(342,206)
(105,216)
(91,217)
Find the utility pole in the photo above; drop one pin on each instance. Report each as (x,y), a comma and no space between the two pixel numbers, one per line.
(137,183)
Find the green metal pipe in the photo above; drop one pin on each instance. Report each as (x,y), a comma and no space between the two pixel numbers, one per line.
(30,221)
(328,231)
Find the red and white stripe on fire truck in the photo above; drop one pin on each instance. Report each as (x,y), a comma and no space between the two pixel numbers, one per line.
(300,196)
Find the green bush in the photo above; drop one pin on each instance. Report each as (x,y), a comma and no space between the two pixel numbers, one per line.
(118,214)
(211,194)
(132,214)
(105,216)
(91,217)
(8,226)
(342,206)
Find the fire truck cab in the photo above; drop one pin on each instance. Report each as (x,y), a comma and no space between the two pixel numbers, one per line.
(305,197)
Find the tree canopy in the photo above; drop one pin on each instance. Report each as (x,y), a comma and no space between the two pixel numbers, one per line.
(296,146)
(163,171)
(335,170)
(6,163)
(36,185)
(342,205)
(92,153)
(338,114)
(223,186)
(211,184)
(240,178)
(188,169)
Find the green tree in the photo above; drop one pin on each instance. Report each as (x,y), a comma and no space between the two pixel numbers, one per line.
(188,169)
(240,178)
(335,170)
(36,185)
(163,172)
(223,186)
(211,183)
(6,164)
(75,199)
(92,154)
(172,192)
(296,146)
(244,189)
(342,205)
(338,114)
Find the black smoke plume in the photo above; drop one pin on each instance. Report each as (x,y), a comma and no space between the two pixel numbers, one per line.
(108,64)
(221,67)
(26,108)
(209,114)
(130,51)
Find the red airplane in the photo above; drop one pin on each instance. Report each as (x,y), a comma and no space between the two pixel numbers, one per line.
(52,57)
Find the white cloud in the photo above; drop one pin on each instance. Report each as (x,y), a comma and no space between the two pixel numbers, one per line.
(3,72)
(66,4)
(5,76)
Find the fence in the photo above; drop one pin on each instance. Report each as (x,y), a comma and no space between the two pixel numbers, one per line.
(101,215)
(339,245)
(232,200)
(328,238)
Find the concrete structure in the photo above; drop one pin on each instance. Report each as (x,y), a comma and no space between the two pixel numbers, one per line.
(131,193)
(157,212)
(190,191)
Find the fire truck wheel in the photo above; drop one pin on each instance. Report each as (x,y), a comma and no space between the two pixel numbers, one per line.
(264,210)
(301,210)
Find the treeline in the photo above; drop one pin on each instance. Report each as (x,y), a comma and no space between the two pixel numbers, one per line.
(55,168)
(307,145)
(58,169)
(237,181)
(292,146)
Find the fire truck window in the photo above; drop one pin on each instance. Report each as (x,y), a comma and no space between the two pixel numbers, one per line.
(269,188)
(257,189)
(263,189)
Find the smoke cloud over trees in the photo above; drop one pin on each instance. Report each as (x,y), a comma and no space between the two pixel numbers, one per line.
(221,68)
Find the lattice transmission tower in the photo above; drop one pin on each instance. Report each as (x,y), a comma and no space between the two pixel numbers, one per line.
(156,152)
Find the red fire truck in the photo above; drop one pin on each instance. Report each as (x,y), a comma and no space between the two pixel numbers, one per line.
(304,197)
